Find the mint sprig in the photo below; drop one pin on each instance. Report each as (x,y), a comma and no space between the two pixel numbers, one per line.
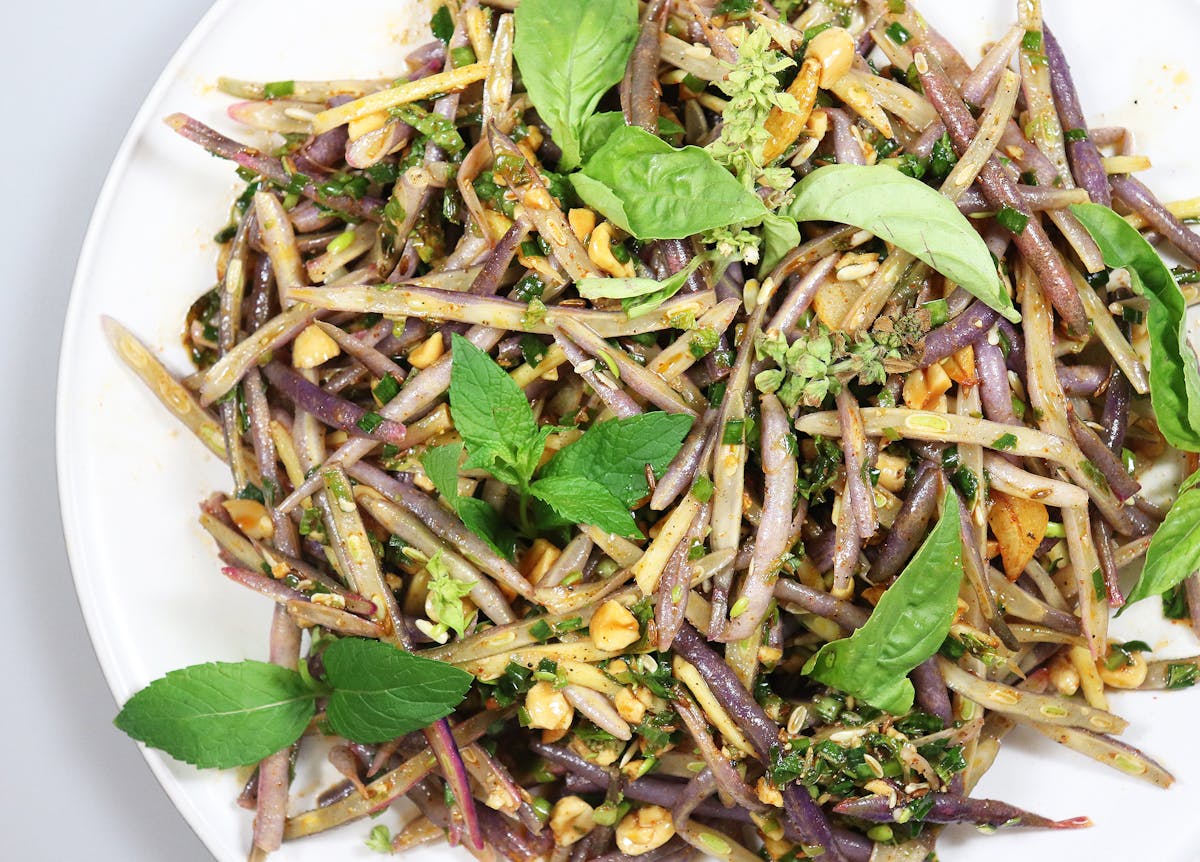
(224,714)
(596,480)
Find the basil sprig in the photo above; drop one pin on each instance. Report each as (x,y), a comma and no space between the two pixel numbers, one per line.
(225,714)
(570,53)
(908,625)
(1174,368)
(651,190)
(906,213)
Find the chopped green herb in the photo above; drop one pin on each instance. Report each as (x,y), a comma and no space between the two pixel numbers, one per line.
(1011,219)
(1005,442)
(369,422)
(898,33)
(1180,675)
(278,89)
(442,24)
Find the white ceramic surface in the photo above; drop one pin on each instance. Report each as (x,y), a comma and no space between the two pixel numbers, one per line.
(130,479)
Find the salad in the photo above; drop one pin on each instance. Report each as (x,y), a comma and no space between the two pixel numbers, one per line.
(682,428)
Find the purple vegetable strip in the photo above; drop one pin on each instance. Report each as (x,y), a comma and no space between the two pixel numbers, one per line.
(800,296)
(956,334)
(640,90)
(617,400)
(271,168)
(682,470)
(847,615)
(1000,190)
(948,808)
(854,449)
(1081,381)
(332,409)
(724,774)
(780,473)
(441,740)
(674,586)
(1142,201)
(909,527)
(1102,458)
(1086,164)
(361,347)
(763,734)
(931,692)
(845,148)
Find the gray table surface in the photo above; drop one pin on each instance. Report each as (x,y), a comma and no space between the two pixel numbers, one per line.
(74,787)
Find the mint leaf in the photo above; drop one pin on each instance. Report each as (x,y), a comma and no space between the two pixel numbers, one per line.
(441,466)
(615,453)
(486,523)
(381,692)
(220,714)
(908,625)
(492,415)
(584,501)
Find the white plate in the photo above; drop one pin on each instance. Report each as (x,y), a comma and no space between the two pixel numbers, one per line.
(130,479)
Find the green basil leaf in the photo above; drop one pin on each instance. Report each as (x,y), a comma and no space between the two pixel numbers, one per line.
(1174,552)
(381,692)
(570,53)
(1174,375)
(597,130)
(909,214)
(615,453)
(638,295)
(780,236)
(653,191)
(493,416)
(220,714)
(907,626)
(583,501)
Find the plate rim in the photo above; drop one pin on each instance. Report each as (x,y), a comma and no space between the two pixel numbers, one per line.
(101,644)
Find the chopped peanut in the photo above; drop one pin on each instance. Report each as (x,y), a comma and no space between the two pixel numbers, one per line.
(768,793)
(583,222)
(834,49)
(529,144)
(571,819)
(548,708)
(251,517)
(538,560)
(313,347)
(925,386)
(1129,675)
(629,707)
(1063,675)
(427,352)
(614,627)
(644,830)
(600,253)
